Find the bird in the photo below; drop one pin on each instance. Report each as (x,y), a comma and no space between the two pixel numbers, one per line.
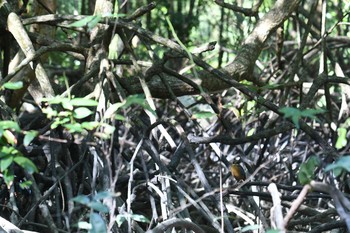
(237,172)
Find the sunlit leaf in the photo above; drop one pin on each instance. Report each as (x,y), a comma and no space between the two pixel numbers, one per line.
(9,125)
(50,112)
(89,21)
(55,100)
(81,112)
(108,129)
(112,109)
(67,105)
(13,85)
(25,184)
(74,128)
(10,137)
(84,225)
(251,132)
(341,140)
(65,114)
(203,114)
(136,217)
(55,124)
(140,218)
(251,105)
(119,117)
(59,121)
(94,22)
(113,47)
(83,102)
(90,125)
(7,150)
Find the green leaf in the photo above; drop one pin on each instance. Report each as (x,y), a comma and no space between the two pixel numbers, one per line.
(89,21)
(292,113)
(295,120)
(50,112)
(13,85)
(82,199)
(67,105)
(26,164)
(250,228)
(29,136)
(140,218)
(342,164)
(55,100)
(203,114)
(295,114)
(10,138)
(8,176)
(59,121)
(136,99)
(136,217)
(98,206)
(103,195)
(311,113)
(113,47)
(97,223)
(94,21)
(132,99)
(251,132)
(65,115)
(289,112)
(81,112)
(83,102)
(74,128)
(307,169)
(272,231)
(5,162)
(8,150)
(271,86)
(120,219)
(108,129)
(112,109)
(84,225)
(119,117)
(90,125)
(341,140)
(9,125)
(25,184)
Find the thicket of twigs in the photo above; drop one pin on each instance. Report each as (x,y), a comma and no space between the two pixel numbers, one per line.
(123,161)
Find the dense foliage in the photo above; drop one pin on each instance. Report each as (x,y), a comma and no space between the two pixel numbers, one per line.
(210,116)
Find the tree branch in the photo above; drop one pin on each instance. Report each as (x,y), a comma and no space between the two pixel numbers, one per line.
(241,68)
